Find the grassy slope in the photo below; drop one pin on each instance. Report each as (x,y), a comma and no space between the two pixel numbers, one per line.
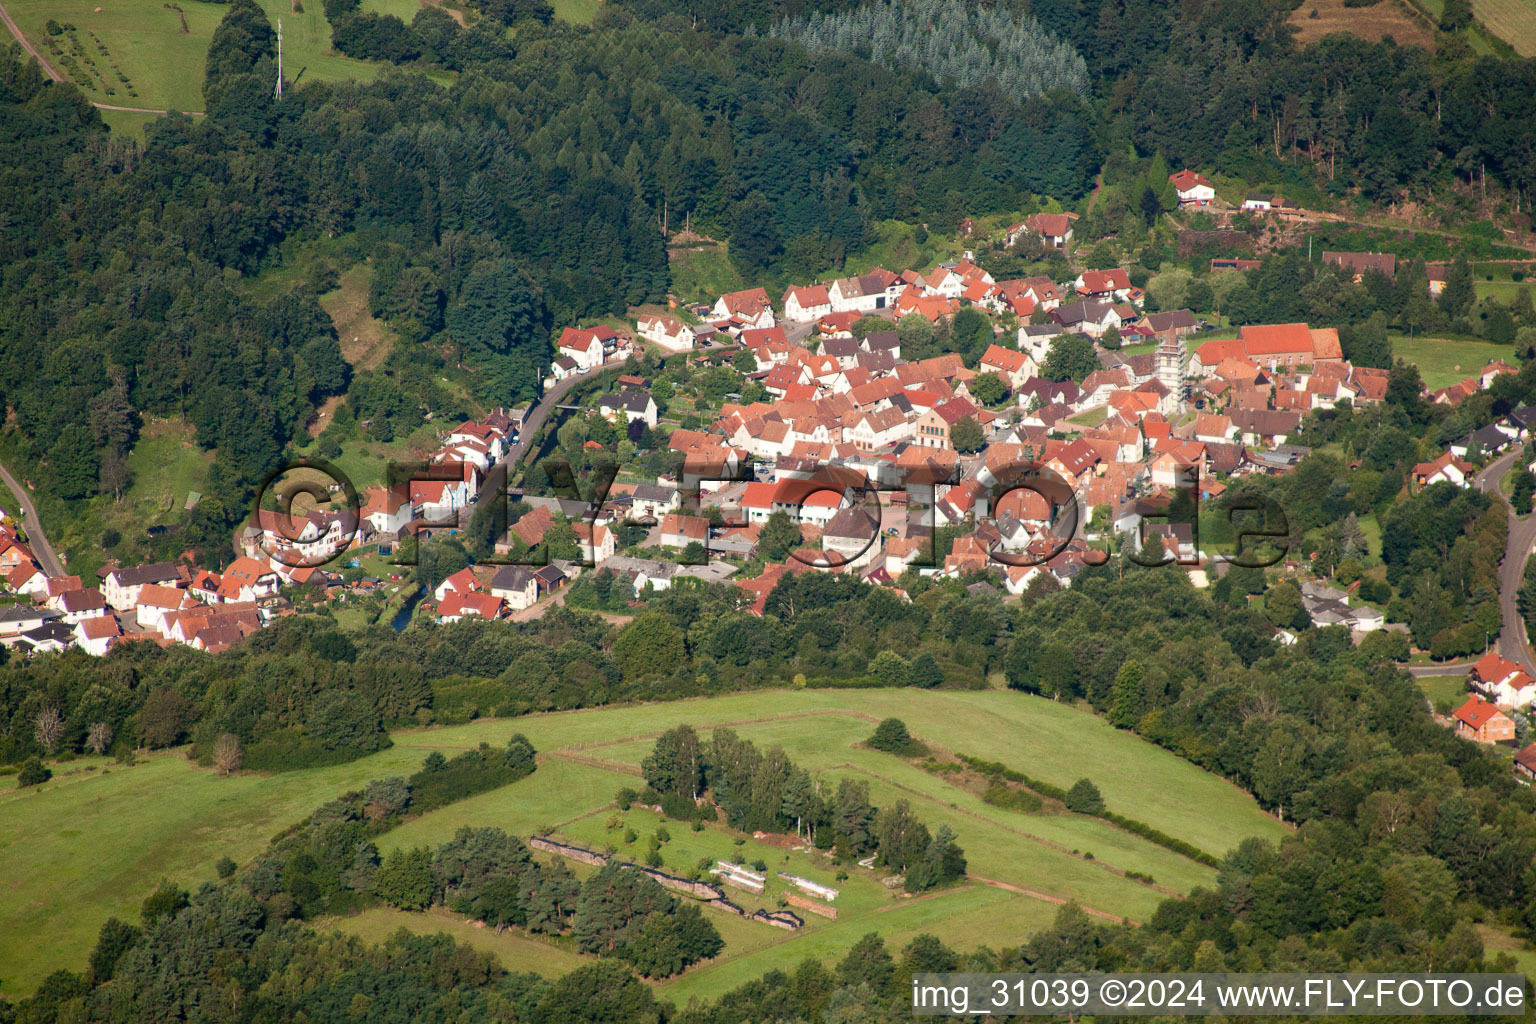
(577,12)
(88,846)
(1443,361)
(97,843)
(165,65)
(1514,21)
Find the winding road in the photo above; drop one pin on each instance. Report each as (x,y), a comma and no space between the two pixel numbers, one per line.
(36,539)
(1512,643)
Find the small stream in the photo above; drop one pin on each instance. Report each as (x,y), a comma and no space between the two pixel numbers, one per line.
(403,616)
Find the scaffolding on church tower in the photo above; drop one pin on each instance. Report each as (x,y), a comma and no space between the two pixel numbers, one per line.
(1171,363)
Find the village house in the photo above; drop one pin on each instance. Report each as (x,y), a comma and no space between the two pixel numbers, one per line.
(1447,468)
(1482,722)
(652,501)
(802,305)
(865,293)
(1501,681)
(747,308)
(1054,229)
(121,586)
(246,579)
(1192,188)
(1104,284)
(632,404)
(1357,264)
(678,531)
(515,585)
(387,510)
(588,349)
(1012,366)
(458,606)
(934,426)
(75,605)
(154,604)
(97,635)
(667,331)
(851,538)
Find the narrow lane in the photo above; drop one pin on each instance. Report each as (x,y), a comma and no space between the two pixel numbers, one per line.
(36,538)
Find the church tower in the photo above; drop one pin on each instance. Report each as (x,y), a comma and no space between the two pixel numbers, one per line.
(1170,366)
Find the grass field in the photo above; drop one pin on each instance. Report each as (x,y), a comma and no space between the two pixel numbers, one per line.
(365,341)
(517,950)
(167,464)
(1442,690)
(1513,21)
(145,42)
(703,273)
(1443,361)
(89,845)
(577,12)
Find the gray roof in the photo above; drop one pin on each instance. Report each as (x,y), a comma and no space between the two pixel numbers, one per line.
(630,400)
(1177,319)
(137,575)
(511,577)
(653,492)
(25,613)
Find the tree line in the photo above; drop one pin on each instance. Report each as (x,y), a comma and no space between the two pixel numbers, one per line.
(765,791)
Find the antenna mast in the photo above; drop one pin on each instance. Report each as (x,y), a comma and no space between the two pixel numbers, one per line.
(278,93)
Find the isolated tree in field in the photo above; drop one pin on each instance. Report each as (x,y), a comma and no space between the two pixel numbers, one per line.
(33,773)
(1084,798)
(48,728)
(227,753)
(892,736)
(99,738)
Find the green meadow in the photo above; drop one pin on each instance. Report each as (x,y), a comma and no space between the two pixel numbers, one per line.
(96,840)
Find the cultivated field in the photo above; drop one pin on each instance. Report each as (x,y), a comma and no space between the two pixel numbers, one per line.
(1444,361)
(1387,18)
(90,845)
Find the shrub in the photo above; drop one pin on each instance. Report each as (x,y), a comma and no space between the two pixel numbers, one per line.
(1000,795)
(225,867)
(625,798)
(33,773)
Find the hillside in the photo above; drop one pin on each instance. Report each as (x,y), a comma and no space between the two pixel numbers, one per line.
(138,837)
